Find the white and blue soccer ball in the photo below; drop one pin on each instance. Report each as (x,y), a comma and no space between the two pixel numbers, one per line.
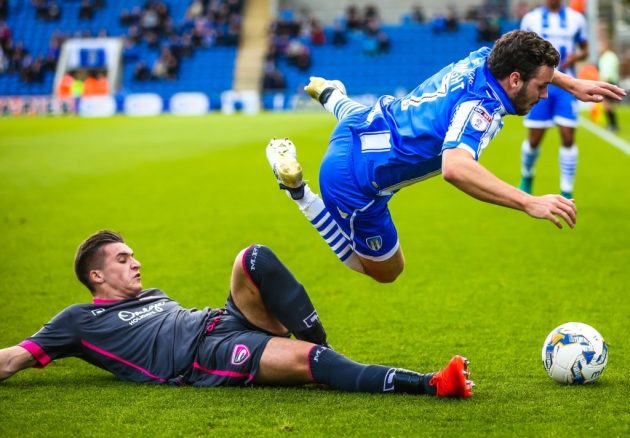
(574,353)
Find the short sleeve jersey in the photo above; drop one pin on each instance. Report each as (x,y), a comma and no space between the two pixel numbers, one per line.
(150,338)
(564,29)
(461,106)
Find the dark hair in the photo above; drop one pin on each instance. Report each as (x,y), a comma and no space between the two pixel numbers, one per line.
(523,52)
(90,255)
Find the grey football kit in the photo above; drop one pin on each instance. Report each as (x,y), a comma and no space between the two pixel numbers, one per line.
(152,338)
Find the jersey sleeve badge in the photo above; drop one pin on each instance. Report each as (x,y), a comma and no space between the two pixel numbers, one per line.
(480,119)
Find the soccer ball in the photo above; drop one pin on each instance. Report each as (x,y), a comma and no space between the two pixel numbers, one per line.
(574,353)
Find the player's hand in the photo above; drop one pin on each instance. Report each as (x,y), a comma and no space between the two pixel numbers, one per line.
(596,91)
(552,207)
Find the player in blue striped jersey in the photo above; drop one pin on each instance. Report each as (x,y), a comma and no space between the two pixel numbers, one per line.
(144,336)
(566,30)
(442,126)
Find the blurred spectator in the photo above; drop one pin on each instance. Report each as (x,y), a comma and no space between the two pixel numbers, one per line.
(131,52)
(318,37)
(488,28)
(49,10)
(273,79)
(452,19)
(609,71)
(149,19)
(473,14)
(34,71)
(141,72)
(52,54)
(376,41)
(4,9)
(65,85)
(76,89)
(416,15)
(166,66)
(16,53)
(5,35)
(445,23)
(286,24)
(96,84)
(339,37)
(4,62)
(231,36)
(299,55)
(194,10)
(370,14)
(352,18)
(134,34)
(86,10)
(130,18)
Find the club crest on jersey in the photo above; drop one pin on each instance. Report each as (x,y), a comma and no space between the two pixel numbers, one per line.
(374,243)
(480,119)
(240,354)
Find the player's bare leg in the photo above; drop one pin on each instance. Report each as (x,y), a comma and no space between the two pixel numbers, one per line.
(270,297)
(290,362)
(385,271)
(247,298)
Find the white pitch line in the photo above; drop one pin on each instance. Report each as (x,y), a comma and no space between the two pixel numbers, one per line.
(617,142)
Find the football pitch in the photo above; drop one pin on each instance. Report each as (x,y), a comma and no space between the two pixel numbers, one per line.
(188,193)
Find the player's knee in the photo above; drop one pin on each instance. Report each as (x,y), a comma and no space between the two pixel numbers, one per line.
(260,261)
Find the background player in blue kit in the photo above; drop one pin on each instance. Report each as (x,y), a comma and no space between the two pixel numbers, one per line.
(566,30)
(144,336)
(442,126)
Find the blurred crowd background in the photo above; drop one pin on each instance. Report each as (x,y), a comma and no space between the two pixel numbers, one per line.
(263,48)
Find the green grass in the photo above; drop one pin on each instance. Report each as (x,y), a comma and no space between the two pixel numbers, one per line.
(189,193)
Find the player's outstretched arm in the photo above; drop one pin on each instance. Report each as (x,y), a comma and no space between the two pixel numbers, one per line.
(14,359)
(460,169)
(587,90)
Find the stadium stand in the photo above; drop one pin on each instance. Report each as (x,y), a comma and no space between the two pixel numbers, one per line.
(387,59)
(414,51)
(209,69)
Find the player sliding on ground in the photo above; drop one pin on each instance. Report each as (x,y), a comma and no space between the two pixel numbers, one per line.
(442,126)
(144,336)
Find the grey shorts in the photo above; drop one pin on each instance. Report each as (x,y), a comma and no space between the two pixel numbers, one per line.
(230,352)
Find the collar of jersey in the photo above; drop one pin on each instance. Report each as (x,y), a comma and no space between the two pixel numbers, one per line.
(105,300)
(499,91)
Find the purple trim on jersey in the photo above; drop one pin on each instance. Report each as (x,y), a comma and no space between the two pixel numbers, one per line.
(310,368)
(37,352)
(120,359)
(212,324)
(105,300)
(224,373)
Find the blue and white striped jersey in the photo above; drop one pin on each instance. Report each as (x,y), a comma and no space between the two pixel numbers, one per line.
(401,140)
(564,29)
